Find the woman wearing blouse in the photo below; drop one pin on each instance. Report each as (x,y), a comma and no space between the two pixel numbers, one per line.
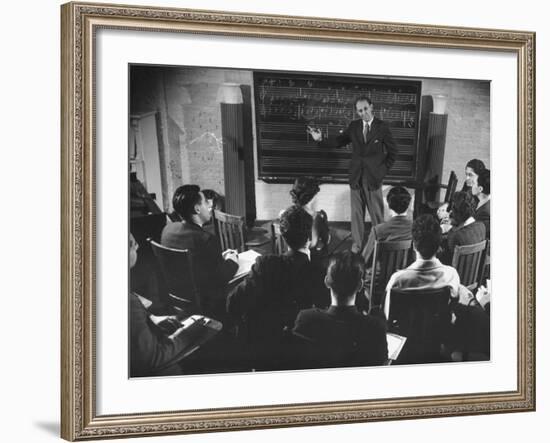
(466,230)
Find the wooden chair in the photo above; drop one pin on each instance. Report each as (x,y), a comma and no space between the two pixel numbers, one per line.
(424,317)
(430,190)
(391,257)
(278,243)
(467,260)
(233,235)
(485,268)
(177,269)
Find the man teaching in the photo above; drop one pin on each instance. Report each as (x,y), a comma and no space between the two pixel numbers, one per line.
(373,154)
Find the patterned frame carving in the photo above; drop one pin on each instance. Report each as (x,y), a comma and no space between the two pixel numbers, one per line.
(79,23)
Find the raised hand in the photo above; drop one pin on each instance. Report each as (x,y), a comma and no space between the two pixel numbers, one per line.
(315,133)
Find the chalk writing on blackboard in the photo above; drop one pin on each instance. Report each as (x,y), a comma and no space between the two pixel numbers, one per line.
(286,103)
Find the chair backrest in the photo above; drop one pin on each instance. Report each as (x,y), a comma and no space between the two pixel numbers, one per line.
(467,260)
(391,256)
(177,269)
(451,187)
(277,241)
(484,268)
(230,230)
(424,317)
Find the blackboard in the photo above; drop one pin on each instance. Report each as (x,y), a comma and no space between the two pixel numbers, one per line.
(286,103)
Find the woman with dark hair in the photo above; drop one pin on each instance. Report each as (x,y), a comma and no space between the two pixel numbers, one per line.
(472,171)
(466,230)
(303,194)
(215,200)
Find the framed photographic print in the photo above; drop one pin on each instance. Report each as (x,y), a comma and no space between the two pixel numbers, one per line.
(228,183)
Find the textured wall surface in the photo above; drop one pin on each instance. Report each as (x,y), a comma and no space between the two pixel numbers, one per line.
(468,125)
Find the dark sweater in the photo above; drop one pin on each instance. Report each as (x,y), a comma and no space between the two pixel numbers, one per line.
(464,235)
(483,214)
(341,336)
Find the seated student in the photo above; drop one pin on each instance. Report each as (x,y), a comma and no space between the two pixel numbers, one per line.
(482,190)
(340,335)
(152,352)
(470,337)
(303,193)
(470,332)
(426,272)
(471,171)
(276,288)
(398,227)
(212,268)
(466,230)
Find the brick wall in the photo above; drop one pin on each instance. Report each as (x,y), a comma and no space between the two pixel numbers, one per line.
(191,121)
(468,124)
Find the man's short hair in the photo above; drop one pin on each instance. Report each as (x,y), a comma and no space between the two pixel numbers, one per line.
(303,190)
(476,165)
(398,199)
(295,226)
(462,206)
(344,274)
(362,98)
(426,235)
(484,180)
(185,199)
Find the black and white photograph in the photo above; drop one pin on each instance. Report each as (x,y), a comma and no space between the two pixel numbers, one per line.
(299,221)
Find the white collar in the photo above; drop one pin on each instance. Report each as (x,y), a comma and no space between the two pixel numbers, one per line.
(368,123)
(424,262)
(469,221)
(305,251)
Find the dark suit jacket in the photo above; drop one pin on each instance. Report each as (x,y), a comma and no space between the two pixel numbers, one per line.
(342,336)
(471,330)
(151,351)
(370,161)
(464,235)
(273,293)
(483,214)
(212,272)
(395,229)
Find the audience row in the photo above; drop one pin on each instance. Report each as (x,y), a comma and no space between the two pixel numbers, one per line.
(310,297)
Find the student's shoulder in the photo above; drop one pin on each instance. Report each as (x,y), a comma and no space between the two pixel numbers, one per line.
(397,277)
(379,229)
(269,261)
(450,270)
(173,227)
(372,322)
(312,312)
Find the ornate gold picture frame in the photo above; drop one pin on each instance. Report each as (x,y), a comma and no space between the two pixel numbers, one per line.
(80,23)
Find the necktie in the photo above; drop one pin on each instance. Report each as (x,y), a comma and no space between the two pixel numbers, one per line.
(365,132)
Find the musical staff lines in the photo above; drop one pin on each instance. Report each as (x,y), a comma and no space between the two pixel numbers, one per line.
(329,95)
(287,103)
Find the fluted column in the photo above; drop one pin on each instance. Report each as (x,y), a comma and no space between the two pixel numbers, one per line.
(231,104)
(437,134)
